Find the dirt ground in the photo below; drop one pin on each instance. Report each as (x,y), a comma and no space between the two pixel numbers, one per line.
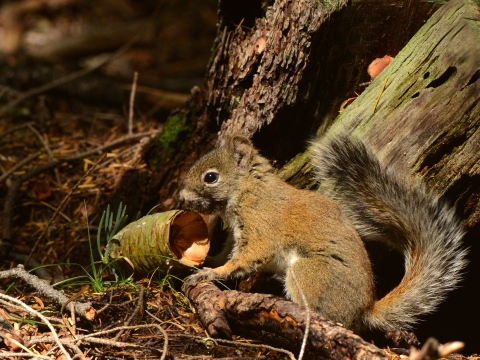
(66,74)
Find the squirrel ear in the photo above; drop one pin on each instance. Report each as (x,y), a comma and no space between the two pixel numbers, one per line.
(242,149)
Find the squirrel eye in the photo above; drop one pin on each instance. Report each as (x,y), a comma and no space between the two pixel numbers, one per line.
(211,177)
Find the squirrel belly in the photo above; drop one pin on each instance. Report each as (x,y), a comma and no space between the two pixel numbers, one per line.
(315,242)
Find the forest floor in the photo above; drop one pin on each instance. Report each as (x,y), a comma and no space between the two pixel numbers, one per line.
(65,145)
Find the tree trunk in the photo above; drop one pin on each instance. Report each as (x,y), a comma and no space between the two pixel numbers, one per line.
(285,70)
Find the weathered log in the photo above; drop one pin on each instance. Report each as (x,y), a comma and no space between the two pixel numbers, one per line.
(275,321)
(427,120)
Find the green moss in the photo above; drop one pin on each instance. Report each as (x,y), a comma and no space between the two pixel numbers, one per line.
(175,126)
(171,140)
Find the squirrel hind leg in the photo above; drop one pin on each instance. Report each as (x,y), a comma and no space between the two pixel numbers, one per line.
(325,287)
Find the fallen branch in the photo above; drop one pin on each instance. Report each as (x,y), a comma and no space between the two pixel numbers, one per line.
(19,165)
(83,309)
(275,321)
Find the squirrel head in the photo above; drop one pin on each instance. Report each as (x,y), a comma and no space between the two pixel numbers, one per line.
(211,181)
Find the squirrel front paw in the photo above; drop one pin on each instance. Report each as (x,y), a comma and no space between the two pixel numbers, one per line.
(205,274)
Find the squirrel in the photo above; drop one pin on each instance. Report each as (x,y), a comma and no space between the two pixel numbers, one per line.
(315,240)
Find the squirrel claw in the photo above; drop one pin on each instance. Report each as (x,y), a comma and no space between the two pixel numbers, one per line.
(205,274)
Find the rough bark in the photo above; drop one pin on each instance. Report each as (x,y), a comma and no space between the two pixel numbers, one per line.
(277,322)
(285,70)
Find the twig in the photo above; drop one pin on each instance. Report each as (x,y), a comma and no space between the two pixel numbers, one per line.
(137,309)
(12,192)
(132,101)
(60,208)
(9,131)
(40,316)
(118,155)
(161,322)
(92,338)
(42,140)
(19,165)
(74,320)
(12,355)
(68,344)
(67,78)
(84,309)
(19,308)
(54,209)
(48,150)
(230,342)
(105,307)
(104,332)
(118,305)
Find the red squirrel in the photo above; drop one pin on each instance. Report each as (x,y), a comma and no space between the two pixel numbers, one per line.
(319,236)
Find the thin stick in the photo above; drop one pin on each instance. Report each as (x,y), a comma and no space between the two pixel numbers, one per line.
(42,140)
(49,151)
(5,133)
(164,333)
(118,155)
(19,165)
(132,101)
(40,316)
(43,288)
(74,320)
(137,309)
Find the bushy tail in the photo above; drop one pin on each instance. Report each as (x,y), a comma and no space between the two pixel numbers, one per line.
(384,207)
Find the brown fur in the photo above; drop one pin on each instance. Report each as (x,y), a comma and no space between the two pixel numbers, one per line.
(303,236)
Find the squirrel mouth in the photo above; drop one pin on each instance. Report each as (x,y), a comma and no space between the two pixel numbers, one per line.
(200,206)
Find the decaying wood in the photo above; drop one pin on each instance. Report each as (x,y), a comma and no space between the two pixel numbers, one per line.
(275,321)
(427,120)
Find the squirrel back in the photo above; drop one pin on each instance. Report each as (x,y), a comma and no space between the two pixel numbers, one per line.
(403,214)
